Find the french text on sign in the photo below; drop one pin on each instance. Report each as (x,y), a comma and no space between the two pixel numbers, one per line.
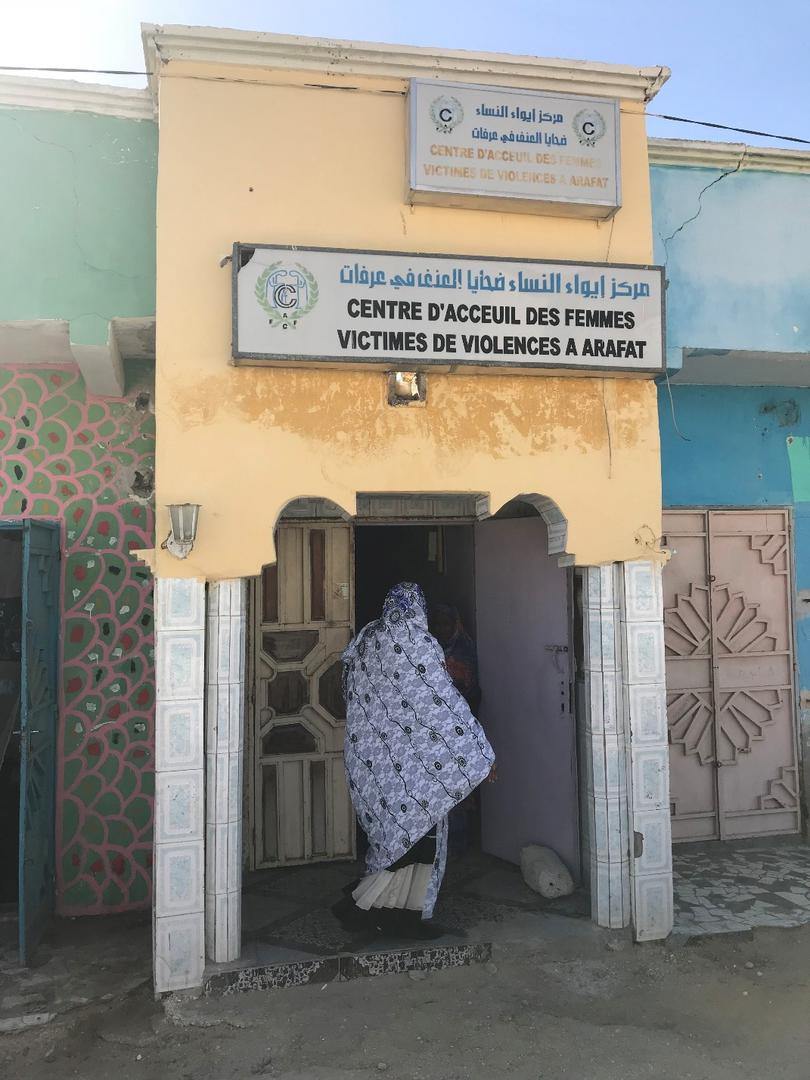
(313,306)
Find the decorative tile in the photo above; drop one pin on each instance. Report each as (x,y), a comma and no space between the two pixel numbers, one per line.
(179,878)
(643,591)
(236,716)
(654,827)
(179,952)
(179,806)
(235,765)
(611,701)
(178,735)
(217,774)
(233,942)
(179,659)
(652,908)
(234,863)
(608,596)
(216,858)
(180,604)
(645,652)
(648,714)
(651,779)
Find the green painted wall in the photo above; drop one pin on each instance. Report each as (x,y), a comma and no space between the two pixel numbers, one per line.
(77,218)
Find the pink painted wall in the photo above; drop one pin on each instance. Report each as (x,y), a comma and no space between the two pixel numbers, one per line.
(88,463)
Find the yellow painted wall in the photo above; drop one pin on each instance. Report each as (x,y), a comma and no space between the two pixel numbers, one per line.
(257,158)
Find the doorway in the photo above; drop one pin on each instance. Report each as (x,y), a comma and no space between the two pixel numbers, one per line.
(29,609)
(513,599)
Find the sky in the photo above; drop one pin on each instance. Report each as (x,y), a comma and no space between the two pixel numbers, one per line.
(737,62)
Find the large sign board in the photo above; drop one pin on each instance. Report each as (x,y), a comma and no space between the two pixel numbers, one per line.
(316,306)
(519,150)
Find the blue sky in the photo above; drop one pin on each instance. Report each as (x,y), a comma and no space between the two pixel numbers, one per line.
(740,62)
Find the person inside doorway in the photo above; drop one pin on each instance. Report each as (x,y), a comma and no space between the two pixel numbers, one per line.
(462,667)
(459,653)
(413,752)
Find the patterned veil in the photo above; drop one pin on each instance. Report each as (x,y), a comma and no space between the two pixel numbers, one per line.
(413,748)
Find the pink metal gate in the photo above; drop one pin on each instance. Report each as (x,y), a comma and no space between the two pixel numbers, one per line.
(730,696)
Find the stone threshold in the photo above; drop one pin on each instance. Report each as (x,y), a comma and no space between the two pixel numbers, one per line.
(343,966)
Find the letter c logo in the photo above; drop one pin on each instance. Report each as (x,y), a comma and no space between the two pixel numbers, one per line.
(588,127)
(445,115)
(285,296)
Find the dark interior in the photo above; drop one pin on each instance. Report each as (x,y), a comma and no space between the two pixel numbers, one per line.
(440,558)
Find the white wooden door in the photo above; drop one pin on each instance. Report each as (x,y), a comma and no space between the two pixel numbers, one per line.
(524,670)
(303,611)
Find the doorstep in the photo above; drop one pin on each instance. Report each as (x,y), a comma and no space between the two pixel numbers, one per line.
(299,970)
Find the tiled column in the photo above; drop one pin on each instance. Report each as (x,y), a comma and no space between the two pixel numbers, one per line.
(644,693)
(179,784)
(603,749)
(225,696)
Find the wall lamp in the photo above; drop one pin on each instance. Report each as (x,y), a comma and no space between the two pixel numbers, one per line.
(183,530)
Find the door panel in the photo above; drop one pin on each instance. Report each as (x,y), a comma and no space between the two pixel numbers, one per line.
(733,586)
(524,660)
(690,687)
(302,623)
(38,724)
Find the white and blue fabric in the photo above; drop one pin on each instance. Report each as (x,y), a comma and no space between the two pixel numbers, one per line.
(413,749)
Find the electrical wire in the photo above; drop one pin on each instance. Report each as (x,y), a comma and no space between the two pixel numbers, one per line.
(73,71)
(727,127)
(658,116)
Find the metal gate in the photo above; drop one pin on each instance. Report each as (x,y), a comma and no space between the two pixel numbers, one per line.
(730,674)
(303,614)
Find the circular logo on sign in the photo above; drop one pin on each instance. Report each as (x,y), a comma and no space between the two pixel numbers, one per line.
(446,113)
(589,126)
(286,293)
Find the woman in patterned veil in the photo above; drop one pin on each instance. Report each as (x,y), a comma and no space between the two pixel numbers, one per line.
(413,751)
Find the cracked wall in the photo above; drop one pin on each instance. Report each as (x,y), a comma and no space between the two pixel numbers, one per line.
(735,246)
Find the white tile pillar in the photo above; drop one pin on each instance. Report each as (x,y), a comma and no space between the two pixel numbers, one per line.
(224,740)
(603,749)
(178,938)
(644,693)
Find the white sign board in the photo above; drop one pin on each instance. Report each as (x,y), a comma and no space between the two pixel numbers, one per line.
(517,150)
(315,306)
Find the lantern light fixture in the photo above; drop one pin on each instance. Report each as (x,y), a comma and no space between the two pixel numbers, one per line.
(183,531)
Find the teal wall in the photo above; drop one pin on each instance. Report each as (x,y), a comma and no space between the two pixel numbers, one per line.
(77,218)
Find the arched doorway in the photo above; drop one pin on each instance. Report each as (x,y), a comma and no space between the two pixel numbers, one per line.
(504,572)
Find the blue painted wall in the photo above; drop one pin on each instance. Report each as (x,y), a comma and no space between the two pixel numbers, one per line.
(737,257)
(747,446)
(738,269)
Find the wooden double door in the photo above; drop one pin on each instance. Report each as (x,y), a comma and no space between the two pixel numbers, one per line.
(730,674)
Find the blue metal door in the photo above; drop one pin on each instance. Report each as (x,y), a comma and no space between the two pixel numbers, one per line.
(38,723)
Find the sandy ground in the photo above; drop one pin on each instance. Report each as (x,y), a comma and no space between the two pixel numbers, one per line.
(575,1002)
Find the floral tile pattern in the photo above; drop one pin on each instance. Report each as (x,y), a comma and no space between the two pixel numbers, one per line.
(89,463)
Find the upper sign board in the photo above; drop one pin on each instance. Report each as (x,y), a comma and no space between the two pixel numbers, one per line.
(316,306)
(521,150)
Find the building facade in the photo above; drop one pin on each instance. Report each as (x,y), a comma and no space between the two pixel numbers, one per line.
(77,446)
(295,456)
(731,228)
